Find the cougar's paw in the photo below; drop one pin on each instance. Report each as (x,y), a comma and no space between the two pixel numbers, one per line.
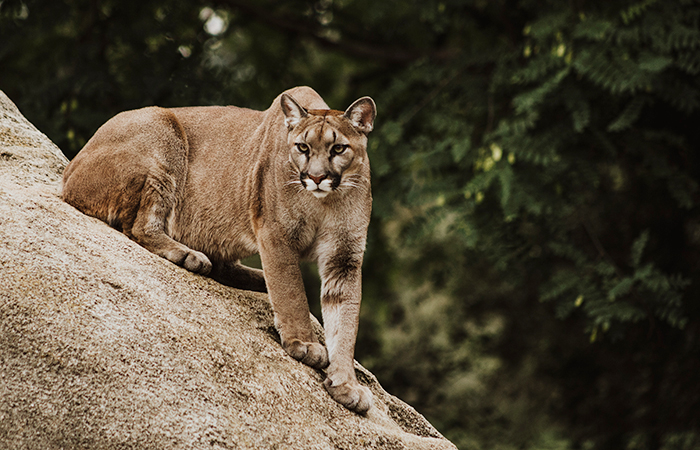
(197,262)
(310,353)
(353,396)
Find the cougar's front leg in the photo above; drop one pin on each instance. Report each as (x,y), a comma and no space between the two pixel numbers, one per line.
(340,302)
(288,298)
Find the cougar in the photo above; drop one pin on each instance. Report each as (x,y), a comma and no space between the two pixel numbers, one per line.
(205,187)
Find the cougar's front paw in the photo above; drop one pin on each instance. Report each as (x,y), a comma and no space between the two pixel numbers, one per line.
(310,353)
(197,262)
(351,395)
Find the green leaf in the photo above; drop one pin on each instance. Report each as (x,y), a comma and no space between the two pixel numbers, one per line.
(638,248)
(654,63)
(506,179)
(593,29)
(530,100)
(629,115)
(460,148)
(581,117)
(622,288)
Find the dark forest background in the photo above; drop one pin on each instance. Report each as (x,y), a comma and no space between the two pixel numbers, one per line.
(531,278)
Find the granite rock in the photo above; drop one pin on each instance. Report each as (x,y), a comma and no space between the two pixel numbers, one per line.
(104,345)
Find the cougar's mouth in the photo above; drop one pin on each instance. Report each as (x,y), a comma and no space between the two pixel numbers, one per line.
(320,186)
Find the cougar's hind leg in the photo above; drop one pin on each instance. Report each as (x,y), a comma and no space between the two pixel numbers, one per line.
(160,195)
(149,227)
(237,275)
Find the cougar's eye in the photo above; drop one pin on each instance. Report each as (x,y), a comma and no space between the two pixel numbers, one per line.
(337,149)
(302,147)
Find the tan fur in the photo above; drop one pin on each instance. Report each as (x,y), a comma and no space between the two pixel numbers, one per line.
(207,186)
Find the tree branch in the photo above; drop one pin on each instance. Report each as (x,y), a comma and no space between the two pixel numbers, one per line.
(366,50)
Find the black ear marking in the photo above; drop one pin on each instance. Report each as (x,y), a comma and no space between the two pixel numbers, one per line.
(361,114)
(293,111)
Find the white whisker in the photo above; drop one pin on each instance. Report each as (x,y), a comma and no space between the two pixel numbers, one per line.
(298,186)
(348,184)
(357,176)
(353,181)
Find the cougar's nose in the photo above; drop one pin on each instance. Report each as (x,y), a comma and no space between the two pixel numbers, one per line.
(318,180)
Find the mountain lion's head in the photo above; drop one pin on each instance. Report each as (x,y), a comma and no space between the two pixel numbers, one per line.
(328,148)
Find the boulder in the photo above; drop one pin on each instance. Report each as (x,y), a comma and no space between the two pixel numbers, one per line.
(104,345)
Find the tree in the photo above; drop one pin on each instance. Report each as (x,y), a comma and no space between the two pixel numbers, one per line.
(562,183)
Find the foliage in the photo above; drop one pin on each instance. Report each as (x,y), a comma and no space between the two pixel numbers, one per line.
(573,177)
(531,273)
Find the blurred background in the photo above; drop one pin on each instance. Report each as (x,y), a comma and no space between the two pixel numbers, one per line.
(531,278)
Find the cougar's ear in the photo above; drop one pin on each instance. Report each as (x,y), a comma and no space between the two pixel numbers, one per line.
(293,111)
(361,114)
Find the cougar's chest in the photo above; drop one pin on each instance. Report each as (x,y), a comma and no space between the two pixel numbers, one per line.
(305,229)
(301,234)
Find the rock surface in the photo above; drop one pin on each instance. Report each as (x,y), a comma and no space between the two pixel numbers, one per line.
(104,345)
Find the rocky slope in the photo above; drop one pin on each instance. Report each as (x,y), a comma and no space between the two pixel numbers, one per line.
(104,345)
